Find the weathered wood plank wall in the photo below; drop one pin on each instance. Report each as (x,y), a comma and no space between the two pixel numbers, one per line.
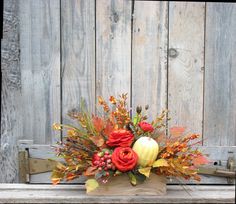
(185,71)
(77,54)
(149,55)
(40,68)
(113,47)
(55,52)
(220,75)
(11,119)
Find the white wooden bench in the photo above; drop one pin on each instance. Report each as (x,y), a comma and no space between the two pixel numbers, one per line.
(34,193)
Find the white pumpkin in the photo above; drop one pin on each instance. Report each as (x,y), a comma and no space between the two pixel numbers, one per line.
(147,150)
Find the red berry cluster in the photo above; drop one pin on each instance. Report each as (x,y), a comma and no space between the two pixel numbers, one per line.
(102,161)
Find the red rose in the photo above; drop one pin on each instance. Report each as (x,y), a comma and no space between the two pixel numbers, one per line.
(146,127)
(124,158)
(121,137)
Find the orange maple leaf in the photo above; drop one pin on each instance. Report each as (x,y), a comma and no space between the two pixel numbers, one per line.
(108,128)
(98,123)
(200,160)
(177,131)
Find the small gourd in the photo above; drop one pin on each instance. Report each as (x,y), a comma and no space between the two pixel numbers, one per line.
(147,150)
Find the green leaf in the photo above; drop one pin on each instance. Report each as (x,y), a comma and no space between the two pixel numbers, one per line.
(160,162)
(136,119)
(145,171)
(132,179)
(91,185)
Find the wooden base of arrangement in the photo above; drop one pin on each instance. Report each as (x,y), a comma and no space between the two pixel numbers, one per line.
(120,185)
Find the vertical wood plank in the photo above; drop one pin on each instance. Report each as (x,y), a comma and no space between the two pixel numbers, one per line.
(40,68)
(220,75)
(10,93)
(186,70)
(149,55)
(78,55)
(113,47)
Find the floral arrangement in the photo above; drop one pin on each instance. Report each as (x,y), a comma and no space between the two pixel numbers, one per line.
(112,143)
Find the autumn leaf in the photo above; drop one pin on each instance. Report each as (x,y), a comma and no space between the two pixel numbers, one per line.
(112,99)
(109,128)
(60,166)
(71,133)
(55,181)
(160,162)
(70,176)
(90,171)
(56,176)
(100,100)
(193,168)
(98,123)
(78,166)
(91,185)
(145,171)
(197,178)
(98,140)
(161,137)
(200,160)
(57,126)
(177,131)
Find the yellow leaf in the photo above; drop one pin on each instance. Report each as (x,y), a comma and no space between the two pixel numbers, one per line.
(91,185)
(57,126)
(57,176)
(78,166)
(100,100)
(160,162)
(145,171)
(61,166)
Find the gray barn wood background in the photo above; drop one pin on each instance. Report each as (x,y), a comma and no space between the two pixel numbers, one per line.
(175,55)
